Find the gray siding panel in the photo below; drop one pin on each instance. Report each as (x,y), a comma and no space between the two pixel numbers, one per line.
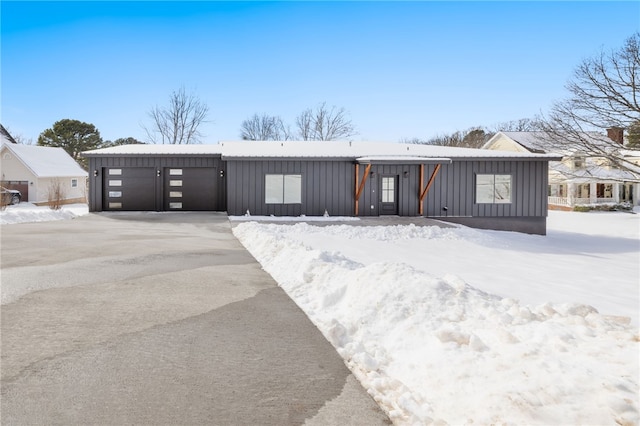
(326,185)
(454,188)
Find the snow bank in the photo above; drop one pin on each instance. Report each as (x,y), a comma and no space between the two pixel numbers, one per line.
(431,348)
(28,212)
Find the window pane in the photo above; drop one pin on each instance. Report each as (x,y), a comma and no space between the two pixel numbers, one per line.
(113,172)
(484,188)
(175,194)
(115,182)
(175,205)
(74,183)
(388,184)
(115,205)
(115,194)
(273,189)
(175,172)
(502,192)
(293,189)
(175,183)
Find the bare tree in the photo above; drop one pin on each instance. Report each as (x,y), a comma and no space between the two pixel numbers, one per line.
(473,137)
(413,140)
(178,123)
(324,124)
(264,128)
(55,194)
(305,124)
(520,125)
(603,94)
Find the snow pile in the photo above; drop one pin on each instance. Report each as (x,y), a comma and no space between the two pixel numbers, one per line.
(28,212)
(432,348)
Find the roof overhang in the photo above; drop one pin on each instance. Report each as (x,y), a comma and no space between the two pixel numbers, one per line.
(402,160)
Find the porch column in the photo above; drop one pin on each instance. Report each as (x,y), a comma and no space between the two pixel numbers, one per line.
(593,193)
(571,194)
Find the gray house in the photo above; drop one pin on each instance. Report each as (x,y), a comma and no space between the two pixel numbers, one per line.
(478,188)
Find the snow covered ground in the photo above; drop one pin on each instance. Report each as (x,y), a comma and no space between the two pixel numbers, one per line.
(28,212)
(465,326)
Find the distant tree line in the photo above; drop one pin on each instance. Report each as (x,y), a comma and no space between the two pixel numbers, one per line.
(322,123)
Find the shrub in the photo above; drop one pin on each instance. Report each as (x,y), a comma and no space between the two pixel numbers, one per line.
(624,206)
(56,194)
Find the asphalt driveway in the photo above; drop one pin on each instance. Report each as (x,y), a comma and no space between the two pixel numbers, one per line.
(159,318)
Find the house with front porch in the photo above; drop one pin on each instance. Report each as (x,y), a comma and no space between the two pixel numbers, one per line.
(579,179)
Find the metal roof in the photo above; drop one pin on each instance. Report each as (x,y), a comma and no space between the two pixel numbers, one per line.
(316,149)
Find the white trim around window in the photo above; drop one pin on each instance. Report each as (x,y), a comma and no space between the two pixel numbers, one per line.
(282,189)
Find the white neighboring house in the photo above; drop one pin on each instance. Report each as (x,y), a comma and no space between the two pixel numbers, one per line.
(578,179)
(35,169)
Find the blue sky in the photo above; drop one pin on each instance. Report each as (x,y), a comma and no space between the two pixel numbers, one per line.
(401,69)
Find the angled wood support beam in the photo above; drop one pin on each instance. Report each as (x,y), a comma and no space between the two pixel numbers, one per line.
(429,183)
(360,187)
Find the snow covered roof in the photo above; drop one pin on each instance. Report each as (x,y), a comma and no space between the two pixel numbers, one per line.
(45,161)
(315,149)
(540,142)
(151,149)
(595,173)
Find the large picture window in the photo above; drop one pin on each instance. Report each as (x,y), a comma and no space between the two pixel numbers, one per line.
(283,189)
(493,189)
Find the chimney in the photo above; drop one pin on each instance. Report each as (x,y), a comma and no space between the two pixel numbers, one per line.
(616,134)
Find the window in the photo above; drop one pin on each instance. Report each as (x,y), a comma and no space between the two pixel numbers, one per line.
(175,183)
(175,172)
(283,189)
(388,190)
(115,172)
(493,189)
(115,182)
(74,183)
(115,194)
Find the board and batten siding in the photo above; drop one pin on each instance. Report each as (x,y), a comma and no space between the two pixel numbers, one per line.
(326,185)
(330,186)
(454,189)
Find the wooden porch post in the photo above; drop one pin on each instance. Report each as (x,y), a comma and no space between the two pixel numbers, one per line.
(361,186)
(431,179)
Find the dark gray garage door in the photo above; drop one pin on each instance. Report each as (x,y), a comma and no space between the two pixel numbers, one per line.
(129,188)
(190,188)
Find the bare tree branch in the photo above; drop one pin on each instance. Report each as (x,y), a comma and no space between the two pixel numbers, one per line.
(603,95)
(264,128)
(179,122)
(324,124)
